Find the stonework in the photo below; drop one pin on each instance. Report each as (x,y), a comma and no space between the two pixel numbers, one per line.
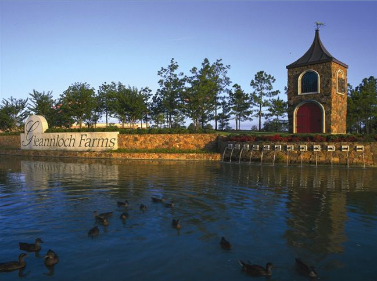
(334,104)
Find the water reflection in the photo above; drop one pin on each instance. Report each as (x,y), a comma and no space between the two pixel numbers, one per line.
(269,213)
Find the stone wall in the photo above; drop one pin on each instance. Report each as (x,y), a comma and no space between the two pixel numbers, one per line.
(334,104)
(207,142)
(368,157)
(10,142)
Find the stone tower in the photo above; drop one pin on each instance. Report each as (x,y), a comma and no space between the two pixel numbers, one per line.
(317,92)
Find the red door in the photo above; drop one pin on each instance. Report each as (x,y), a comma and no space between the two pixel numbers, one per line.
(309,118)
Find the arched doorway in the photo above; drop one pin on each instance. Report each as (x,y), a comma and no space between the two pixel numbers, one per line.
(309,118)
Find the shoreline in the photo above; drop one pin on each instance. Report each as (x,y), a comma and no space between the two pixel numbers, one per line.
(113,155)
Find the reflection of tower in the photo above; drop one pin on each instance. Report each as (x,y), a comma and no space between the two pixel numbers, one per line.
(317,92)
(318,213)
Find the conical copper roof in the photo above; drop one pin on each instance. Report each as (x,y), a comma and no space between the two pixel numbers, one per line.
(317,53)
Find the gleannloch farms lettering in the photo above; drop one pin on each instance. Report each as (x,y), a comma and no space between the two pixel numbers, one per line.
(35,138)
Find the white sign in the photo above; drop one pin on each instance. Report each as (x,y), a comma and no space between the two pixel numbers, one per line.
(35,138)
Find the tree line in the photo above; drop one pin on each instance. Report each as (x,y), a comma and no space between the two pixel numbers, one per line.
(204,95)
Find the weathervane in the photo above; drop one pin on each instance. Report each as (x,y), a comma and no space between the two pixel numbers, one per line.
(318,24)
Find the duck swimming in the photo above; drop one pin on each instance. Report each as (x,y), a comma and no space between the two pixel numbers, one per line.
(124,216)
(225,244)
(303,268)
(51,258)
(93,231)
(257,270)
(123,204)
(102,220)
(176,223)
(104,215)
(143,207)
(169,205)
(36,247)
(158,200)
(14,265)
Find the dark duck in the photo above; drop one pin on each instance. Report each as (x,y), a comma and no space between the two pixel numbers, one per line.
(176,223)
(305,269)
(51,258)
(14,265)
(122,204)
(104,215)
(143,207)
(93,231)
(33,247)
(225,244)
(257,270)
(158,200)
(124,216)
(169,205)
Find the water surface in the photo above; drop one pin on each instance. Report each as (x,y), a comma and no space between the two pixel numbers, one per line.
(327,216)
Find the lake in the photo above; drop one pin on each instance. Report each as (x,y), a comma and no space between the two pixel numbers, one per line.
(327,216)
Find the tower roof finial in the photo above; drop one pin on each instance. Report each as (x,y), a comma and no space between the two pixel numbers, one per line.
(318,24)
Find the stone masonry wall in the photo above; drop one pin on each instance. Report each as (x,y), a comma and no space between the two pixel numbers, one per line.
(339,101)
(207,142)
(335,105)
(368,157)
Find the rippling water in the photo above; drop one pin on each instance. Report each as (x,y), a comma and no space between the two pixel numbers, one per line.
(327,216)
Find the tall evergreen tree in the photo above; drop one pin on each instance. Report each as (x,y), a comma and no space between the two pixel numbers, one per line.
(263,91)
(239,102)
(169,93)
(224,115)
(201,97)
(362,106)
(277,109)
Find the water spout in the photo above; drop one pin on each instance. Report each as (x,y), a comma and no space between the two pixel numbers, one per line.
(261,158)
(301,158)
(287,158)
(239,158)
(231,153)
(316,158)
(224,152)
(273,159)
(251,154)
(348,160)
(364,159)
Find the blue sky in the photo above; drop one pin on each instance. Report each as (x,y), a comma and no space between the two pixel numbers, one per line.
(49,45)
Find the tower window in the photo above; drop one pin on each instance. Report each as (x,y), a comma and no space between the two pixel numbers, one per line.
(309,82)
(341,83)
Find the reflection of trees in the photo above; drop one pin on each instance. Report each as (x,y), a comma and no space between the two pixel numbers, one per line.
(316,201)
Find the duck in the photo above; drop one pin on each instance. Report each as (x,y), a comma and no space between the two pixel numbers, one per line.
(143,207)
(124,216)
(158,200)
(176,223)
(102,220)
(303,268)
(123,204)
(104,215)
(169,205)
(51,258)
(33,247)
(225,244)
(93,231)
(257,270)
(14,265)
